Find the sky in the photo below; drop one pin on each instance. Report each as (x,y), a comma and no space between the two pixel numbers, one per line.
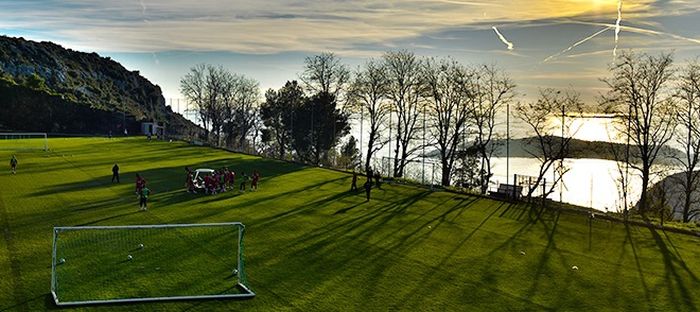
(557,43)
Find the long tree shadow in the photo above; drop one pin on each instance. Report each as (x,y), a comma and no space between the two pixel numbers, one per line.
(629,239)
(358,230)
(545,254)
(672,276)
(378,216)
(435,269)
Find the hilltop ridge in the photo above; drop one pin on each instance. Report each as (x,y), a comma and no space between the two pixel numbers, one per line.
(48,88)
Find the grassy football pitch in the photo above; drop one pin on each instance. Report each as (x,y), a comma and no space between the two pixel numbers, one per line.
(311,245)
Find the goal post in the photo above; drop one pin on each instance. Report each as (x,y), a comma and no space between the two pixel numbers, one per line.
(24,140)
(137,263)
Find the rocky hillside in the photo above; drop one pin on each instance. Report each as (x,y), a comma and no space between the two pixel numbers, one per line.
(45,87)
(670,194)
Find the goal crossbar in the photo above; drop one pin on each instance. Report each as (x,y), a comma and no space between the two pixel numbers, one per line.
(246,291)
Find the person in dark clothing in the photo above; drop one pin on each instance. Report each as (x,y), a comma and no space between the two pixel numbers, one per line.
(368,187)
(378,179)
(244,179)
(115,173)
(13,164)
(254,180)
(353,187)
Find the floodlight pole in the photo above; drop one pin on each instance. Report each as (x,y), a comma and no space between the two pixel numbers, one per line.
(423,156)
(390,169)
(362,114)
(508,142)
(561,161)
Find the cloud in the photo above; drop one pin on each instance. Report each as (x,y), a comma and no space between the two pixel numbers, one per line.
(250,27)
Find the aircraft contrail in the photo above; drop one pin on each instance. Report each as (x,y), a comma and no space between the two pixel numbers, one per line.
(500,36)
(638,30)
(143,12)
(617,26)
(145,20)
(576,44)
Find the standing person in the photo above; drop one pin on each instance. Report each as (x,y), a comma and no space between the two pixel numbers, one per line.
(115,173)
(140,184)
(207,184)
(222,181)
(244,179)
(188,179)
(214,183)
(232,179)
(368,186)
(13,164)
(189,183)
(378,179)
(254,181)
(353,187)
(143,198)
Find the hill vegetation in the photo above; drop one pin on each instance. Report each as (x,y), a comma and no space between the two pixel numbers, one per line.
(45,87)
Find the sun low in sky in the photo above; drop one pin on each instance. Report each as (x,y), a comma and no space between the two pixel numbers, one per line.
(554,43)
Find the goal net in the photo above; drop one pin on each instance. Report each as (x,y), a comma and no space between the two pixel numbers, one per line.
(24,141)
(113,264)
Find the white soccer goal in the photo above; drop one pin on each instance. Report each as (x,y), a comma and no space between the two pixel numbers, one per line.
(135,263)
(24,141)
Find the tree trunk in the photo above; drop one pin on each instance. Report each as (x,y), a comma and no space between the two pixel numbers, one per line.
(396,158)
(370,146)
(643,200)
(446,169)
(281,151)
(485,178)
(688,190)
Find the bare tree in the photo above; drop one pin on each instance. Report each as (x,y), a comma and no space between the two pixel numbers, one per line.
(640,95)
(492,90)
(369,92)
(215,88)
(192,87)
(544,145)
(405,92)
(448,84)
(688,136)
(325,73)
(242,109)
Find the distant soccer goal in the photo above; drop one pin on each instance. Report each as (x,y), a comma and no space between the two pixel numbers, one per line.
(24,141)
(117,264)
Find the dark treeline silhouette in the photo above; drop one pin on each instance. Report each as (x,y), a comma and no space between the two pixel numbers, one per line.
(410,103)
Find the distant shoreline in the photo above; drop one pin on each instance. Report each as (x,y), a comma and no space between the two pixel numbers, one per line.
(578,149)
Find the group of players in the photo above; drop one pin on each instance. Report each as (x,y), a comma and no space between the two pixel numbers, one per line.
(368,184)
(220,181)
